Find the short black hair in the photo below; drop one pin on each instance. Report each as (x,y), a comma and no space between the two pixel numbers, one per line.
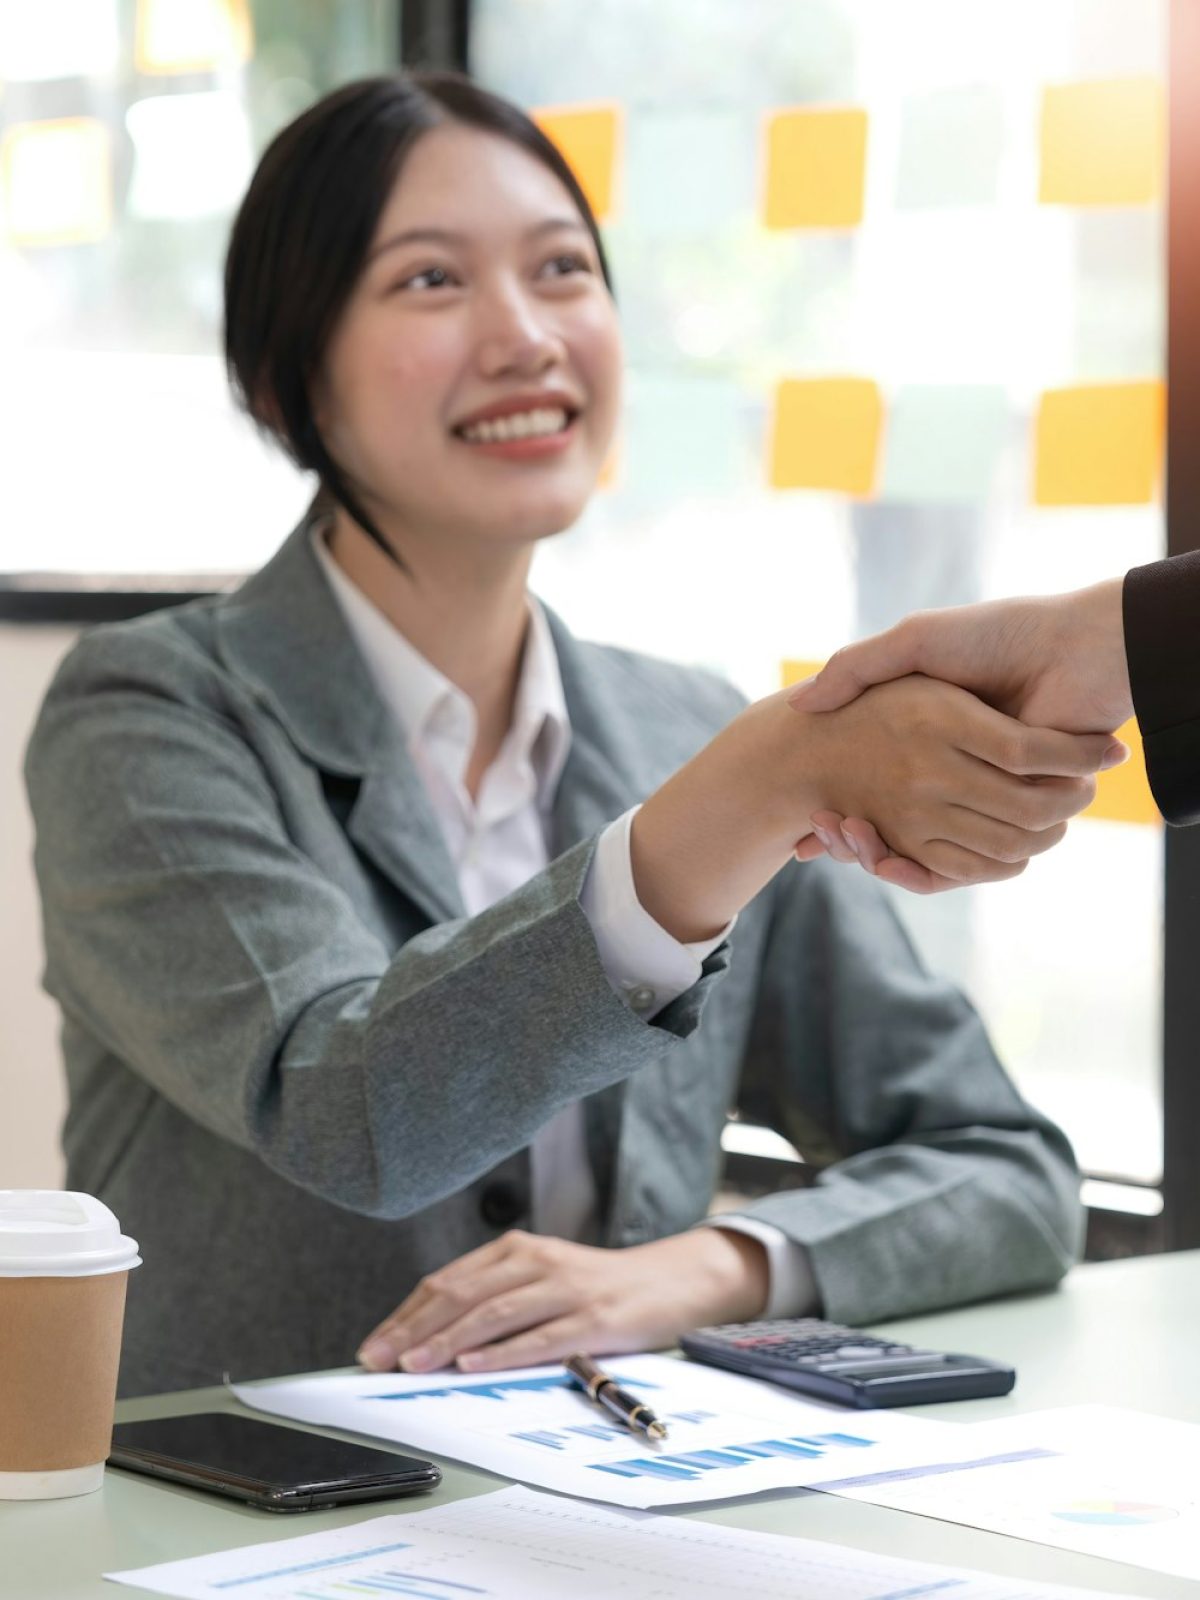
(303,230)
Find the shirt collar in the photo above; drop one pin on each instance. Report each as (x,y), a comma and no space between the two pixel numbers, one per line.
(433,712)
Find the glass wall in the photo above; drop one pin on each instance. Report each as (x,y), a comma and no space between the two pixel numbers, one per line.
(892,281)
(892,284)
(128,132)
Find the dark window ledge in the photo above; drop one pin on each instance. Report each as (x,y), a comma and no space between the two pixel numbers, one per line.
(39,597)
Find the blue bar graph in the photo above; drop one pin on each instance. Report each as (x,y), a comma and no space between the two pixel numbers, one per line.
(550,1440)
(500,1390)
(306,1566)
(416,1585)
(644,1467)
(690,1464)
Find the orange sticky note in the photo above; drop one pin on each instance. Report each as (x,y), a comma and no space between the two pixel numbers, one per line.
(192,35)
(588,136)
(1103,143)
(791,672)
(57,181)
(816,163)
(1123,795)
(825,434)
(1099,445)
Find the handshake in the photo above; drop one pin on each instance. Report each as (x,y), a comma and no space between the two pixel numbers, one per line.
(1057,663)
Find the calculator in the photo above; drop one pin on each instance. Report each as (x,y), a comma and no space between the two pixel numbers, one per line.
(845,1365)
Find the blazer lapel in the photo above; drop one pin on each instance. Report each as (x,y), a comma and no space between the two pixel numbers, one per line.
(283,634)
(393,823)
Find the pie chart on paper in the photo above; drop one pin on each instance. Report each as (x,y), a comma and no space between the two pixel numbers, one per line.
(1114,1513)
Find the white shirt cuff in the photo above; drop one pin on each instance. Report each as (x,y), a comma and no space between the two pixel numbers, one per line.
(645,964)
(792,1290)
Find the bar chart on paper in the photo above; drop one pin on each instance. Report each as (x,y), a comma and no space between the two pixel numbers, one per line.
(518,1544)
(727,1435)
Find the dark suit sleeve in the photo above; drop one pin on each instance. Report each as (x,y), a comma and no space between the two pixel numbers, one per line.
(1162,641)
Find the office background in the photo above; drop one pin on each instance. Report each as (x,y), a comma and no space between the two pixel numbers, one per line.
(894,285)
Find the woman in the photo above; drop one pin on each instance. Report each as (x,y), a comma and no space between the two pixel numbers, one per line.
(385,1007)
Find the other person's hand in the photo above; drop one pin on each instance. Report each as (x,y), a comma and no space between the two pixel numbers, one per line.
(1055,662)
(528,1298)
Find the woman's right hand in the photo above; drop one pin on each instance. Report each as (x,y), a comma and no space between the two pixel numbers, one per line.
(951,784)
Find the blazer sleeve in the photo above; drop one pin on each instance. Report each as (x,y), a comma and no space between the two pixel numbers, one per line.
(1162,643)
(935,1181)
(189,937)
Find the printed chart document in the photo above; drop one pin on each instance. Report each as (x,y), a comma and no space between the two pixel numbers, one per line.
(728,1435)
(522,1545)
(1097,1479)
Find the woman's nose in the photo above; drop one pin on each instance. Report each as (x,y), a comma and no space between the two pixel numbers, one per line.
(516,334)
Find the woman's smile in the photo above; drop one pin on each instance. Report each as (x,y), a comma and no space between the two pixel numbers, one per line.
(522,427)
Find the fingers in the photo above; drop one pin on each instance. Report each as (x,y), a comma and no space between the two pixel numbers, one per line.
(856,667)
(512,1312)
(1036,752)
(971,780)
(447,1295)
(552,1341)
(827,827)
(955,865)
(863,838)
(997,841)
(909,875)
(809,848)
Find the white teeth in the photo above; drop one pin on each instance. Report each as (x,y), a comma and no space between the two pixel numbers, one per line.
(521,425)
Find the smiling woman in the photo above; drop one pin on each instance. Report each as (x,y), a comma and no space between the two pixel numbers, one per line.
(402,304)
(411,953)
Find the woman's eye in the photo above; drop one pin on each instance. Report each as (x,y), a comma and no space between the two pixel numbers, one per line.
(563,266)
(430,278)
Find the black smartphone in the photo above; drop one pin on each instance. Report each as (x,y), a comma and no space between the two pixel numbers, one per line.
(263,1464)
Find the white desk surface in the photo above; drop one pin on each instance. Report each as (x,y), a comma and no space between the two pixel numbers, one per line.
(1122,1332)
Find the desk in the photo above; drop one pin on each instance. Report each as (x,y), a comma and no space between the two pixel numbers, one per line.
(1121,1332)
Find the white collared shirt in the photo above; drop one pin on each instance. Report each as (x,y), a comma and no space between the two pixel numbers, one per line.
(501,839)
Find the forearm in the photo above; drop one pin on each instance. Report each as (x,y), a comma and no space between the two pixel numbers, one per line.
(716,832)
(922,1224)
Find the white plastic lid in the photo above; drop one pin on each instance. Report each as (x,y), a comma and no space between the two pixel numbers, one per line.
(56,1233)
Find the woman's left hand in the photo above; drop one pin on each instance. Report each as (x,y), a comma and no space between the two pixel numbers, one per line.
(528,1298)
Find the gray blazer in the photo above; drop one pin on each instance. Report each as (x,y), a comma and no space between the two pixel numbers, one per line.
(303,1077)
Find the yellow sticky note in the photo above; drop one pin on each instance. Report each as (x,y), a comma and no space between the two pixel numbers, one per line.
(825,434)
(791,672)
(816,164)
(588,136)
(1099,445)
(56,178)
(610,472)
(1103,143)
(192,35)
(1123,795)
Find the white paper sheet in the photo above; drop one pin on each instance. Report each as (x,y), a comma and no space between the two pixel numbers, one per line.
(522,1545)
(728,1436)
(1122,1484)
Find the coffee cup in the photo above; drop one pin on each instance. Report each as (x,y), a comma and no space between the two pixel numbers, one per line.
(64,1264)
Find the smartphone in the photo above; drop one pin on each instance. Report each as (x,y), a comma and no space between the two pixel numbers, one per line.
(263,1464)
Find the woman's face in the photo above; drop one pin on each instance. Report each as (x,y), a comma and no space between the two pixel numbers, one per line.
(470,389)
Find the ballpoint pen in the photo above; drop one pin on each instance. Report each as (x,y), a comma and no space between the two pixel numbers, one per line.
(607,1392)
